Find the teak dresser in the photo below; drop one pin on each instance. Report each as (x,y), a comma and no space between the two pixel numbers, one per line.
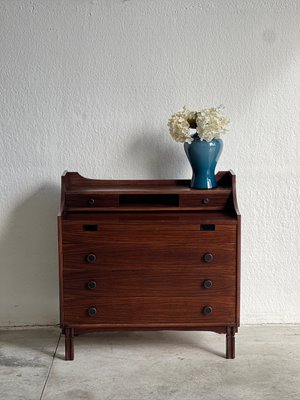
(148,255)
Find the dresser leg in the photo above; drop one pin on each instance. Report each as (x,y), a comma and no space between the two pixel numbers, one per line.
(69,344)
(230,342)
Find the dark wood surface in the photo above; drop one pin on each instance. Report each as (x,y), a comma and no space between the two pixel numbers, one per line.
(142,310)
(159,282)
(187,326)
(171,259)
(148,241)
(82,200)
(83,194)
(73,181)
(172,218)
(152,234)
(61,271)
(230,342)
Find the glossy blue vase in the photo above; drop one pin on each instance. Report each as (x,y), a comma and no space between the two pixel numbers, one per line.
(203,157)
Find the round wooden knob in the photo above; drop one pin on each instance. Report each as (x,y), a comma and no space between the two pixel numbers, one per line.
(91,202)
(205,201)
(91,258)
(91,285)
(207,284)
(207,310)
(208,257)
(92,311)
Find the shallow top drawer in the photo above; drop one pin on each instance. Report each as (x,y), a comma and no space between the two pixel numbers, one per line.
(208,200)
(93,200)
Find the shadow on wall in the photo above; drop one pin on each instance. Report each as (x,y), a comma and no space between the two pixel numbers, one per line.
(29,261)
(161,161)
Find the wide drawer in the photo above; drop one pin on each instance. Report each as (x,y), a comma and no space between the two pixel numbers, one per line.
(118,256)
(151,310)
(157,234)
(159,281)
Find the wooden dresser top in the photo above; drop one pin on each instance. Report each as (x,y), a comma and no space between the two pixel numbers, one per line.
(80,194)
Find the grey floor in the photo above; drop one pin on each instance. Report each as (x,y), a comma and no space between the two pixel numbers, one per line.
(151,365)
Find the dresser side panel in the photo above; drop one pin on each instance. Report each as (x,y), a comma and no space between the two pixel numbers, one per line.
(60,265)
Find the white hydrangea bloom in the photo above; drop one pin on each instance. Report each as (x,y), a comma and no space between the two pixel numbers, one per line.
(209,124)
(179,126)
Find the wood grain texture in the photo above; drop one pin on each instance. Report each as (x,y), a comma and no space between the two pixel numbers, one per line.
(141,310)
(69,344)
(61,270)
(148,248)
(173,219)
(159,234)
(159,282)
(74,181)
(206,201)
(238,271)
(236,212)
(117,257)
(98,200)
(230,342)
(214,327)
(84,200)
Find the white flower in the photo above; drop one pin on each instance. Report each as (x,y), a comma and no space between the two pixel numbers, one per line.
(209,124)
(179,126)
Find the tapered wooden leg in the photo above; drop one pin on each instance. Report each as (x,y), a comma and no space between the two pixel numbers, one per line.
(230,342)
(69,344)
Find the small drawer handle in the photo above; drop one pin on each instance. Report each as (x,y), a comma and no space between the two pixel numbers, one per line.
(207,284)
(90,228)
(92,311)
(208,257)
(207,227)
(91,258)
(205,201)
(91,285)
(91,202)
(207,310)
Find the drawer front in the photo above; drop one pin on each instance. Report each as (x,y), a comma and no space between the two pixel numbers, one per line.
(207,201)
(159,235)
(149,310)
(91,201)
(115,256)
(159,281)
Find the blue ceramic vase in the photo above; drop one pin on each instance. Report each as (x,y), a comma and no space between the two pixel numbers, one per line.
(203,157)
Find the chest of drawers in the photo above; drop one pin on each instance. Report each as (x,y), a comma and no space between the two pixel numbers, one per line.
(148,255)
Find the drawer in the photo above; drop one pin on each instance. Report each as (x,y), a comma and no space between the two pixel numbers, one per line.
(159,235)
(117,257)
(158,281)
(205,201)
(74,200)
(149,310)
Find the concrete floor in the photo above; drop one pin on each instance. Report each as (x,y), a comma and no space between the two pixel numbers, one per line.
(151,365)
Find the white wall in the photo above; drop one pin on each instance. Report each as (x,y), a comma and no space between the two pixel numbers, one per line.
(88,86)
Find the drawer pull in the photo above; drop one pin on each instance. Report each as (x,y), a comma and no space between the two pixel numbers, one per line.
(208,257)
(90,228)
(207,227)
(207,284)
(92,311)
(91,285)
(91,258)
(207,310)
(205,201)
(91,202)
